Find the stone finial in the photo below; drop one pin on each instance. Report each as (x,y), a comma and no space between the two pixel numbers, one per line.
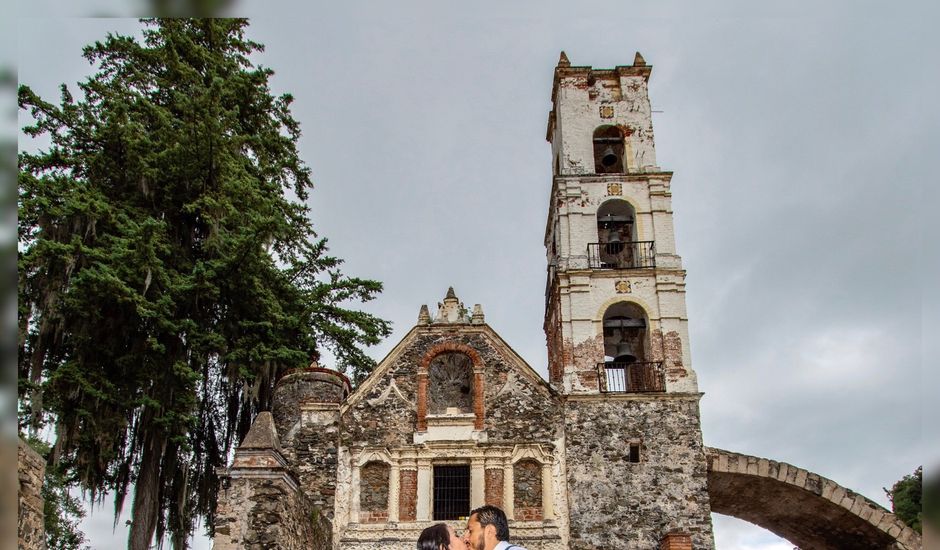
(563,60)
(477,318)
(262,434)
(638,60)
(449,310)
(424,316)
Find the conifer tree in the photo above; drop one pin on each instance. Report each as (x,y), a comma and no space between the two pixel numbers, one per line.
(166,276)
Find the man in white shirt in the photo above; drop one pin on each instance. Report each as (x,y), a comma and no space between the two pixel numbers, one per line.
(488,529)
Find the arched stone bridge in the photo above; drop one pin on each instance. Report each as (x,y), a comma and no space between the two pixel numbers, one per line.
(807,509)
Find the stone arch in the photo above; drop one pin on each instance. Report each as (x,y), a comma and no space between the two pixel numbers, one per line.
(805,508)
(648,309)
(424,365)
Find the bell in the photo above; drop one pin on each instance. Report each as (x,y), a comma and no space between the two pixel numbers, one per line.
(609,157)
(624,353)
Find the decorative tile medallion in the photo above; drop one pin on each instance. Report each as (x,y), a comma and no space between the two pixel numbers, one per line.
(607,111)
(614,189)
(623,287)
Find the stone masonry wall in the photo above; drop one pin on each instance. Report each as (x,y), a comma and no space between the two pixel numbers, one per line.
(312,453)
(267,513)
(373,493)
(31,469)
(614,503)
(303,386)
(515,411)
(527,485)
(518,410)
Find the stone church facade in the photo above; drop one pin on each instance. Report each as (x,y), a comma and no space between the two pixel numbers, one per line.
(607,453)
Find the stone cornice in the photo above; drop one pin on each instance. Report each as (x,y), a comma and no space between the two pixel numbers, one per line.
(597,178)
(634,396)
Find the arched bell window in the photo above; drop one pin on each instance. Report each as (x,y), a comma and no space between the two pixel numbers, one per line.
(616,236)
(627,367)
(608,150)
(615,222)
(625,339)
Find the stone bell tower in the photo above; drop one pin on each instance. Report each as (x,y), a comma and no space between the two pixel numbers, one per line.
(615,321)
(615,316)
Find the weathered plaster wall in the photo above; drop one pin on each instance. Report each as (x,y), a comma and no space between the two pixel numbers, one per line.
(583,296)
(614,503)
(577,115)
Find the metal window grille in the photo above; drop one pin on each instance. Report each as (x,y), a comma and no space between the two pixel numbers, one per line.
(451,492)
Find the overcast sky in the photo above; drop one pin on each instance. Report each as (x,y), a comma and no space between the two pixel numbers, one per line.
(799,137)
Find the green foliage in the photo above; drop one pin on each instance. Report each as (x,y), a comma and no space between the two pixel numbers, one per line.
(166,279)
(905,497)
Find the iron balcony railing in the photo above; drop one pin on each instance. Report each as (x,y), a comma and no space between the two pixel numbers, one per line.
(637,377)
(621,255)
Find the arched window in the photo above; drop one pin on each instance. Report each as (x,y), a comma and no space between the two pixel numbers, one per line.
(624,333)
(626,345)
(450,384)
(608,150)
(615,222)
(617,247)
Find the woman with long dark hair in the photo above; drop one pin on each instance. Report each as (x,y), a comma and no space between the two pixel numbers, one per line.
(440,537)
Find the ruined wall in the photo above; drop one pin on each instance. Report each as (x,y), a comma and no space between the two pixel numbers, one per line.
(268,513)
(31,469)
(386,415)
(309,385)
(306,416)
(614,503)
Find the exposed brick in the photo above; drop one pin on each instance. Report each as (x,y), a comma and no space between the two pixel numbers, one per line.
(676,541)
(493,487)
(407,495)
